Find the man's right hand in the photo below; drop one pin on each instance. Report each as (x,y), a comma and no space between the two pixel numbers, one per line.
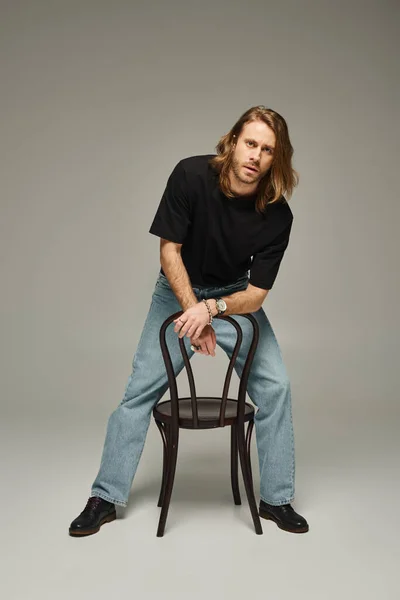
(207,341)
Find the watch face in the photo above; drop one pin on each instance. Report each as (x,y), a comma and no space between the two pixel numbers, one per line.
(221,304)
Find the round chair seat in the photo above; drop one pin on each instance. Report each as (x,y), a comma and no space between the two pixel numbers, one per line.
(208,409)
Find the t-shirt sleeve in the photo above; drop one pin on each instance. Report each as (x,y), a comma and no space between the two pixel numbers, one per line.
(265,264)
(172,218)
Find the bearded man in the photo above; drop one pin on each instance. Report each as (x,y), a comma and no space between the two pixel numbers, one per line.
(224,225)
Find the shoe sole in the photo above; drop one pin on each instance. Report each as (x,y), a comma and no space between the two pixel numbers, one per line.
(270,518)
(84,532)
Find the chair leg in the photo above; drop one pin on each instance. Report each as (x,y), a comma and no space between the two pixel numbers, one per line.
(234,466)
(163,428)
(248,482)
(172,454)
(248,446)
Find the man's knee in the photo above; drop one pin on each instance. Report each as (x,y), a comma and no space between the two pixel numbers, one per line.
(271,385)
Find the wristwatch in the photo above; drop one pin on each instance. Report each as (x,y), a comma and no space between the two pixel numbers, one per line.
(221,306)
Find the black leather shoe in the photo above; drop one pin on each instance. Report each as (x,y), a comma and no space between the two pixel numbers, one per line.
(284,516)
(96,512)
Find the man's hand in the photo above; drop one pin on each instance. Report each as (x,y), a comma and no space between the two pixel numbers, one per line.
(192,321)
(207,341)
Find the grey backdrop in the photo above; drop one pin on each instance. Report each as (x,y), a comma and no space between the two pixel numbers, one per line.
(99,101)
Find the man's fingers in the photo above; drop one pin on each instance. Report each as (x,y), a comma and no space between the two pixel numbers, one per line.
(184,329)
(212,347)
(203,348)
(207,342)
(191,331)
(199,331)
(214,340)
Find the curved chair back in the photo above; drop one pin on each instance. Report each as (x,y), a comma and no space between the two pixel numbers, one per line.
(243,379)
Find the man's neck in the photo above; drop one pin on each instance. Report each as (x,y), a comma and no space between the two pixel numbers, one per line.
(241,189)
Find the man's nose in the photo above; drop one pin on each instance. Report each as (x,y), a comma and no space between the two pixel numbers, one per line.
(255,155)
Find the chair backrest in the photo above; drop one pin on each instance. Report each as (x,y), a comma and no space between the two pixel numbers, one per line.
(243,379)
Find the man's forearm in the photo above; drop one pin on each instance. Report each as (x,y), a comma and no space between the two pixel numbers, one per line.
(178,278)
(246,301)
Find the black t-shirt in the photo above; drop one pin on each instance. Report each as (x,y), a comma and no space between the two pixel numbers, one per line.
(222,238)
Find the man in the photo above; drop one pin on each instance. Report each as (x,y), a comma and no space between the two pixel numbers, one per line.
(219,218)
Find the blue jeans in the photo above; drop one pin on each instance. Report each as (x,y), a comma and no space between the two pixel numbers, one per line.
(268,388)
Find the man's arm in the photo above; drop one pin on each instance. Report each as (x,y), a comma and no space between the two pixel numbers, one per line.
(249,300)
(175,271)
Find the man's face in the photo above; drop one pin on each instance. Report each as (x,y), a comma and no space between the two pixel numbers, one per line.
(255,149)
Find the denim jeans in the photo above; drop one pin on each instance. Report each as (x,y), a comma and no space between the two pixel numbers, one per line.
(268,388)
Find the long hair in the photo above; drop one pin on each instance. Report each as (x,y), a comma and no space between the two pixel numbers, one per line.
(280,178)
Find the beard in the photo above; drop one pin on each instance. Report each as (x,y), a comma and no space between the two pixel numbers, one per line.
(248,177)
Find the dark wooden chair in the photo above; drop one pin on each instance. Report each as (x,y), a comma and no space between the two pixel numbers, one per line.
(202,412)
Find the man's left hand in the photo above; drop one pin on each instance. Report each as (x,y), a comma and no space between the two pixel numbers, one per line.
(192,321)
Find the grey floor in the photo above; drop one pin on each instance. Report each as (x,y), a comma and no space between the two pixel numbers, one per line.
(347,487)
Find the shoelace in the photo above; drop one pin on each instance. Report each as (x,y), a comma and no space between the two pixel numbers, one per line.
(92,503)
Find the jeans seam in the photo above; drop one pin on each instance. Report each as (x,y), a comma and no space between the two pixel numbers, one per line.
(124,399)
(103,496)
(293,453)
(281,503)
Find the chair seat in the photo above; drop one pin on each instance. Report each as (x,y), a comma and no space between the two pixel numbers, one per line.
(208,408)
